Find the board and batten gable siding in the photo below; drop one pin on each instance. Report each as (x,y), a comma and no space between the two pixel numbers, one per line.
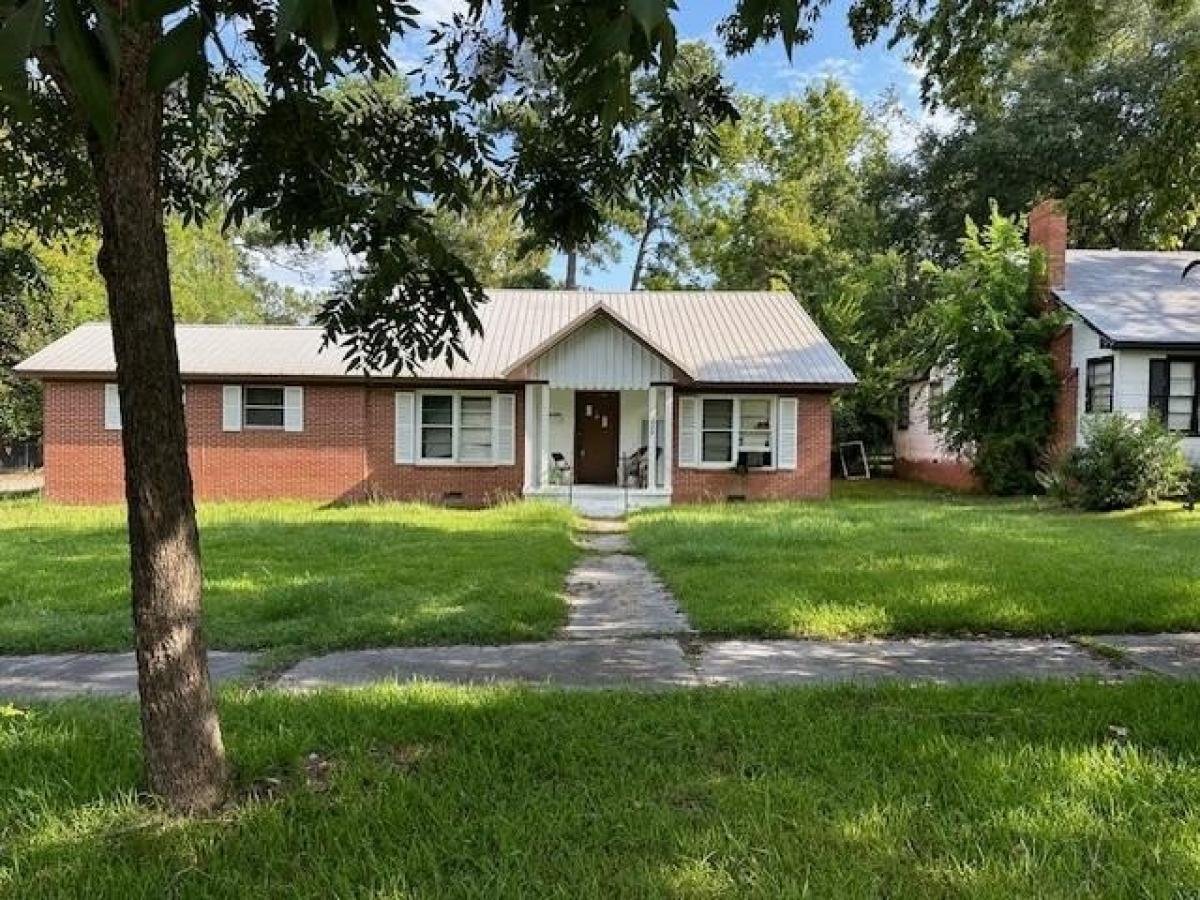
(600,357)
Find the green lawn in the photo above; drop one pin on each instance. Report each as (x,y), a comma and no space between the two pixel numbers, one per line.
(1002,792)
(885,559)
(293,574)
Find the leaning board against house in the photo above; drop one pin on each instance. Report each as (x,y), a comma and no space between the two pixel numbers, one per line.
(1131,346)
(665,396)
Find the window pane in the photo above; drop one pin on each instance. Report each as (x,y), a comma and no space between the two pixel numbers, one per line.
(1101,401)
(717,446)
(437,410)
(263,417)
(755,414)
(264,396)
(437,443)
(1102,374)
(476,445)
(476,412)
(718,414)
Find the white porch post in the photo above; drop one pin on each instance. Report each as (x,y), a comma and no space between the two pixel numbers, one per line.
(669,436)
(651,437)
(545,436)
(531,444)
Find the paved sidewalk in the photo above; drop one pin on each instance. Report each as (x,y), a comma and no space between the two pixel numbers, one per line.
(612,593)
(55,676)
(657,663)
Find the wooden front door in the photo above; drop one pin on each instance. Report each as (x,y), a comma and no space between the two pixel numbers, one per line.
(597,420)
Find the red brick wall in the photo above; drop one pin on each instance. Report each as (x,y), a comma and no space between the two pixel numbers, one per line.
(956,475)
(1048,230)
(1066,406)
(810,478)
(345,452)
(479,485)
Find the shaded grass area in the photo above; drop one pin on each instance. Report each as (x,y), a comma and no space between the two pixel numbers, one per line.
(295,575)
(894,559)
(438,792)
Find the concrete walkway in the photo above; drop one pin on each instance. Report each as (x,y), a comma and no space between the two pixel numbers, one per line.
(657,663)
(55,676)
(611,593)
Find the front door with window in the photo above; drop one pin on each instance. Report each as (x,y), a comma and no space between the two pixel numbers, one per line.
(597,420)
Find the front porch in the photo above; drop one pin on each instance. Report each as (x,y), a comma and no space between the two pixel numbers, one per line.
(605,452)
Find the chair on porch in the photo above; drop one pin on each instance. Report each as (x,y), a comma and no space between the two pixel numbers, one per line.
(635,469)
(560,469)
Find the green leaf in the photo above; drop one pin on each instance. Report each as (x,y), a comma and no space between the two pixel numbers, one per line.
(177,53)
(18,37)
(648,13)
(789,20)
(106,30)
(293,14)
(155,10)
(324,25)
(82,60)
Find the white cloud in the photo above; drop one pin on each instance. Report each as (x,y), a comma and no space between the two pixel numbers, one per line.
(839,68)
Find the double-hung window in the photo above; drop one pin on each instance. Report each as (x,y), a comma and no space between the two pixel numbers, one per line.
(1175,393)
(935,407)
(737,431)
(263,407)
(1099,396)
(457,428)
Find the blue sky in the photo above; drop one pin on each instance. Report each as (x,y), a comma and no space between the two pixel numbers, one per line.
(870,73)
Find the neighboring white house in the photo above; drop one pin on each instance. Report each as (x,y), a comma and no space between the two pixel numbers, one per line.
(1132,347)
(1135,337)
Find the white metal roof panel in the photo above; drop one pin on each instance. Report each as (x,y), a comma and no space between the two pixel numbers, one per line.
(740,337)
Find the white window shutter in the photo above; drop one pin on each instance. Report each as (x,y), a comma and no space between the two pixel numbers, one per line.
(231,407)
(293,409)
(112,408)
(788,408)
(689,431)
(504,414)
(405,432)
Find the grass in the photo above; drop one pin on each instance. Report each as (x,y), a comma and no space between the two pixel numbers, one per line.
(295,576)
(1032,790)
(891,559)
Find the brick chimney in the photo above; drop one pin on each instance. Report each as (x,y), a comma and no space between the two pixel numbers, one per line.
(1048,230)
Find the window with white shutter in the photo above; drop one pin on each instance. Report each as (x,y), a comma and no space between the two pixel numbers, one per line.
(231,407)
(506,429)
(293,409)
(688,432)
(112,408)
(405,404)
(788,433)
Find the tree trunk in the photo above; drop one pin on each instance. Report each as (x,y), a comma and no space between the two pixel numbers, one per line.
(639,261)
(572,269)
(181,735)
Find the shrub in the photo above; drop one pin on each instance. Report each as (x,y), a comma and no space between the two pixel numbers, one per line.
(1124,463)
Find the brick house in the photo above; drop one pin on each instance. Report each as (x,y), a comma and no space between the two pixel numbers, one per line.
(626,399)
(1131,346)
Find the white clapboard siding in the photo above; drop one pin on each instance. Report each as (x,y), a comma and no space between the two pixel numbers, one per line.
(505,408)
(231,407)
(601,357)
(405,433)
(112,408)
(689,431)
(788,408)
(293,409)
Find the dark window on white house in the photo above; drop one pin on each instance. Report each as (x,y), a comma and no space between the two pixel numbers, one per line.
(262,407)
(903,409)
(1099,396)
(936,411)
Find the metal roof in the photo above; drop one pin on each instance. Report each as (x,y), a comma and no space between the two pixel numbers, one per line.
(1134,297)
(735,337)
